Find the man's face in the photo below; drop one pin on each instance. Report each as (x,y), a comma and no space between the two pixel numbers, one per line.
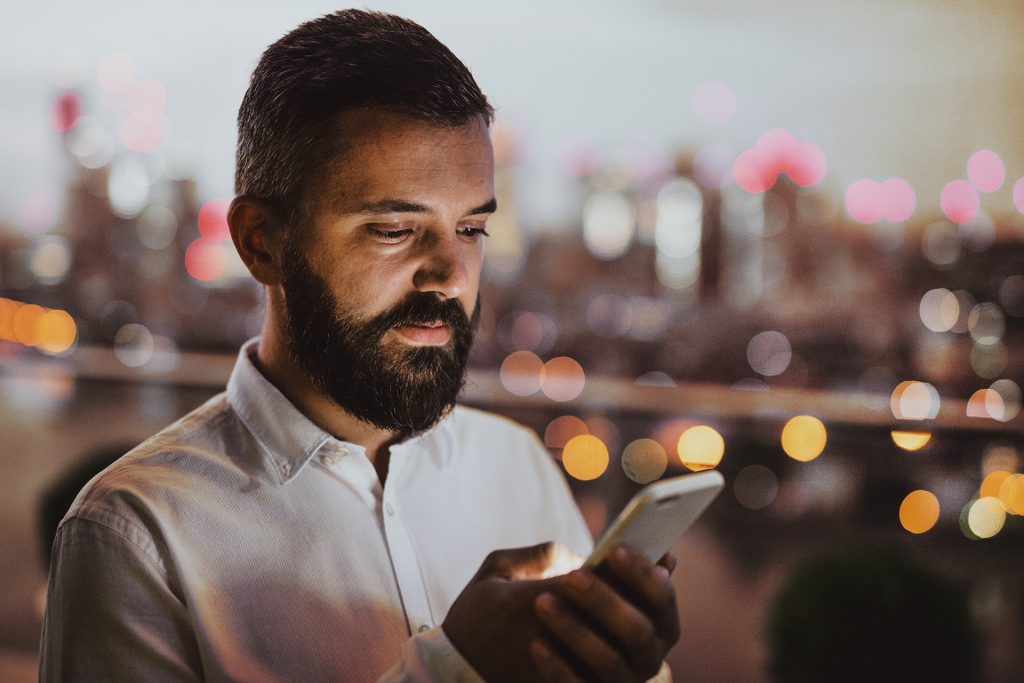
(381,287)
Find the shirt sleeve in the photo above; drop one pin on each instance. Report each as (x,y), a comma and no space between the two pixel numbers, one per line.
(430,657)
(111,614)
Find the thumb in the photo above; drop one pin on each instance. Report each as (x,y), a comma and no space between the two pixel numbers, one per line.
(529,562)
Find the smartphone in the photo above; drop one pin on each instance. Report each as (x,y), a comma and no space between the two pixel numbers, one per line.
(658,515)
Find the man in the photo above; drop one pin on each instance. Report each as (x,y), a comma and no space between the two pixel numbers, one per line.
(323,519)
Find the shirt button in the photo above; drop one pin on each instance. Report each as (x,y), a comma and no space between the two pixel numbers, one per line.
(390,510)
(423,627)
(326,459)
(342,451)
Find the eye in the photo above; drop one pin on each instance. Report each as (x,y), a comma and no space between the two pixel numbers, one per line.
(388,233)
(472,231)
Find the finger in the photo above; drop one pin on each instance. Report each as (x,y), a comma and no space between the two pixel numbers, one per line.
(600,657)
(668,561)
(651,587)
(626,626)
(550,666)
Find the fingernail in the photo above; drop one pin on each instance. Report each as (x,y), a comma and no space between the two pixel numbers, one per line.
(662,572)
(579,580)
(540,649)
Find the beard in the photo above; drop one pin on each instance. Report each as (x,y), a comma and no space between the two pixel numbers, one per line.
(384,383)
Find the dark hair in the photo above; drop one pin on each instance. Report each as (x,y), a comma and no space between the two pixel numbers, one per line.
(349,60)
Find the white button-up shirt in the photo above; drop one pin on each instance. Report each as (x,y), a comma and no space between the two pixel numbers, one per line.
(245,543)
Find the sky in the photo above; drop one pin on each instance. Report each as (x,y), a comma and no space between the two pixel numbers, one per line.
(907,88)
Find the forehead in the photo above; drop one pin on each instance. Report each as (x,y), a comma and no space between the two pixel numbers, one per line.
(392,156)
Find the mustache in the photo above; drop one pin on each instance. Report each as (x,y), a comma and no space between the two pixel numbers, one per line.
(421,308)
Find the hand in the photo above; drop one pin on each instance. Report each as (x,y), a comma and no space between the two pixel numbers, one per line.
(616,625)
(492,622)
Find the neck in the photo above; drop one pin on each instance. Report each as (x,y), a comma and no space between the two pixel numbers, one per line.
(277,365)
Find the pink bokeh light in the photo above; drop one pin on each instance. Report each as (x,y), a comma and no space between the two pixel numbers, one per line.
(714,102)
(900,200)
(807,164)
(1018,195)
(959,201)
(868,201)
(986,170)
(213,220)
(752,171)
(205,259)
(66,111)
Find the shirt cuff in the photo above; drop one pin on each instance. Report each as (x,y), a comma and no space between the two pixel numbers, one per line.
(429,657)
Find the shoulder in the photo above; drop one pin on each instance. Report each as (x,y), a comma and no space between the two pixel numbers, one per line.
(468,421)
(171,465)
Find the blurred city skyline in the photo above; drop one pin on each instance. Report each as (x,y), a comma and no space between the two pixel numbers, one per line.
(887,90)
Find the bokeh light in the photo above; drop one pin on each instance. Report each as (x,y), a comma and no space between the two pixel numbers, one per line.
(1009,392)
(1011,494)
(644,460)
(804,438)
(26,324)
(609,223)
(213,220)
(562,379)
(66,110)
(714,102)
(986,323)
(585,457)
(807,164)
(919,511)
(700,448)
(51,260)
(939,310)
(868,201)
(1018,194)
(986,170)
(520,373)
(133,345)
(984,518)
(913,400)
(911,441)
(57,332)
(156,227)
(752,170)
(989,360)
(560,430)
(116,72)
(986,403)
(527,331)
(205,259)
(959,201)
(940,243)
(992,483)
(769,353)
(755,487)
(128,186)
(711,166)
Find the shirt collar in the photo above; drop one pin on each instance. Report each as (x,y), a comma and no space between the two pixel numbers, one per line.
(289,438)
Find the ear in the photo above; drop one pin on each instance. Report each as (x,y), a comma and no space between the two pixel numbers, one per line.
(256,240)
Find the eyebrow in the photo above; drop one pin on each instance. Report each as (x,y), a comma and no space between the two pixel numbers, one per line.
(386,206)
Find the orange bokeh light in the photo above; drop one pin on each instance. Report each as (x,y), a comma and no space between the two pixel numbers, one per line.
(919,511)
(520,373)
(562,379)
(560,430)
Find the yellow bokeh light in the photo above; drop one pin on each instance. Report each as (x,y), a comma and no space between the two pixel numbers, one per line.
(911,441)
(804,438)
(56,332)
(700,448)
(992,483)
(7,310)
(985,517)
(585,457)
(26,324)
(520,373)
(1011,493)
(919,511)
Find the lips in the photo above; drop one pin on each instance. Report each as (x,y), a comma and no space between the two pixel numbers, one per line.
(427,334)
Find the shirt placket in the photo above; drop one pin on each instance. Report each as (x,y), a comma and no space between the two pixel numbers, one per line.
(403,553)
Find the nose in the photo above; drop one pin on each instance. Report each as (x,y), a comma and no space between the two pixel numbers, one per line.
(443,269)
